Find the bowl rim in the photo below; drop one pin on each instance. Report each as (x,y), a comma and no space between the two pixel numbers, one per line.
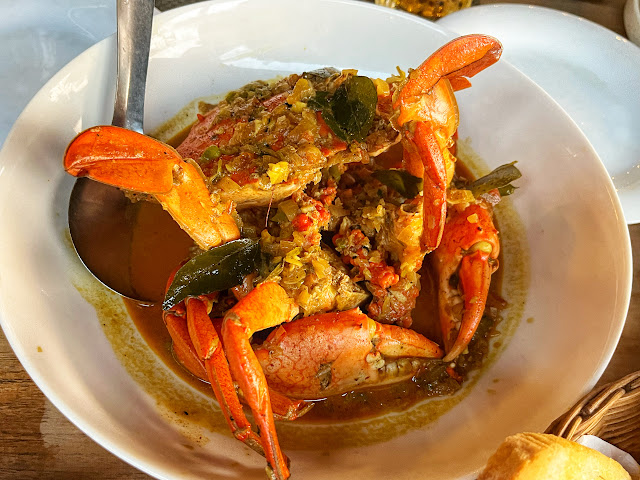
(104,440)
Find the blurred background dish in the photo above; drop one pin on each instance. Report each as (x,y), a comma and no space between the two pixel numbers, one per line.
(430,9)
(593,73)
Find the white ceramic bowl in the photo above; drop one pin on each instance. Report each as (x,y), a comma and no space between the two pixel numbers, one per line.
(94,366)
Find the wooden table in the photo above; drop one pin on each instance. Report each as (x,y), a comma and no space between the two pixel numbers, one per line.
(37,441)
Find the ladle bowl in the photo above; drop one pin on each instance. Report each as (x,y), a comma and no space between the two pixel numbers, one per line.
(101,218)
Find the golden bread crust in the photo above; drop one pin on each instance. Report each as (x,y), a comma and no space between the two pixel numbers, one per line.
(537,456)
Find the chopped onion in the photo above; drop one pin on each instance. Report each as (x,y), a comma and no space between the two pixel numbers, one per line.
(227,185)
(289,208)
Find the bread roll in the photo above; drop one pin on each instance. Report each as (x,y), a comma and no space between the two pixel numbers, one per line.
(537,456)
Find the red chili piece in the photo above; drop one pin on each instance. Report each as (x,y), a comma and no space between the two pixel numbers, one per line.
(383,274)
(301,222)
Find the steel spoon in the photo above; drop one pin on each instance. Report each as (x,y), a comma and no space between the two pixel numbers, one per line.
(100,216)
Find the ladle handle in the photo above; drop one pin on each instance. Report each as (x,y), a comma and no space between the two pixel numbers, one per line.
(134,32)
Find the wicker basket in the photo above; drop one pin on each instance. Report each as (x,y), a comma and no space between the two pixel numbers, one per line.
(611,412)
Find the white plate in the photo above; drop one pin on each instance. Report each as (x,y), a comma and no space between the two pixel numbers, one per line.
(593,73)
(570,221)
(39,37)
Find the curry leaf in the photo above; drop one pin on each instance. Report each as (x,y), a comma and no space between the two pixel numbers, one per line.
(320,101)
(506,190)
(401,181)
(499,178)
(217,269)
(350,111)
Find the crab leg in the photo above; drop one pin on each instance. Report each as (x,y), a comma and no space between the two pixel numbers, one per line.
(428,117)
(136,162)
(333,353)
(198,347)
(209,348)
(469,248)
(268,305)
(422,148)
(182,345)
(283,407)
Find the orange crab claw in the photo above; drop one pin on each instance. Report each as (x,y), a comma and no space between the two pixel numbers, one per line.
(136,162)
(333,353)
(268,305)
(475,278)
(122,158)
(456,61)
(423,157)
(428,116)
(469,248)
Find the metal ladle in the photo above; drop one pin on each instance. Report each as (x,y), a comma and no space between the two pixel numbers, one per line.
(100,216)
